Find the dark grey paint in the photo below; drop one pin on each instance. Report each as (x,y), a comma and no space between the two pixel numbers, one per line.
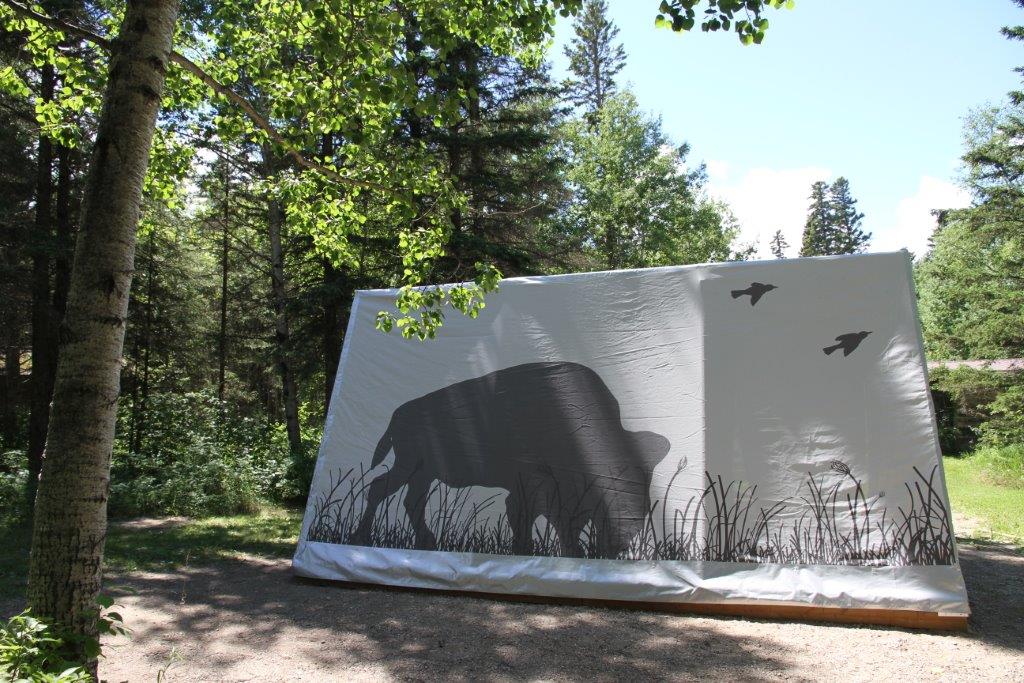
(847,342)
(548,433)
(755,291)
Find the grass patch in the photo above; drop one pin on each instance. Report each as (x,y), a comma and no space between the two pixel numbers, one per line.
(132,546)
(271,532)
(998,509)
(1001,466)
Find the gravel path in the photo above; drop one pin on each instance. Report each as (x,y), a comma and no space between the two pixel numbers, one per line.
(251,620)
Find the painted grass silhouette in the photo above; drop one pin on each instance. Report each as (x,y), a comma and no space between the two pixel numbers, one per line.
(725,523)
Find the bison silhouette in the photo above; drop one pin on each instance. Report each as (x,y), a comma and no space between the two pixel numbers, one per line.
(548,433)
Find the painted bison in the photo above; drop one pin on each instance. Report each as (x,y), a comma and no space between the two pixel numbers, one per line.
(548,433)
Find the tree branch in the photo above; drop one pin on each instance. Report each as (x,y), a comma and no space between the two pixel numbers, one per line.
(213,84)
(58,25)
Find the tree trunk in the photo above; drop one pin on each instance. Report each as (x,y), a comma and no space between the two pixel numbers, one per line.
(222,338)
(611,244)
(10,398)
(11,321)
(337,301)
(71,505)
(476,180)
(41,381)
(275,222)
(63,248)
(140,388)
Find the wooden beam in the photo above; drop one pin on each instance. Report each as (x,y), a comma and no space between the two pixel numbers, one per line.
(902,618)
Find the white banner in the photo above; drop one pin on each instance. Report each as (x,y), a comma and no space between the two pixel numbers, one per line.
(738,432)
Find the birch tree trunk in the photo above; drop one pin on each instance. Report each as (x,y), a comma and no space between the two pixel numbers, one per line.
(71,504)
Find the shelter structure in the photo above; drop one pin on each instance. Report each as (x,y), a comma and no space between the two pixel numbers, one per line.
(744,438)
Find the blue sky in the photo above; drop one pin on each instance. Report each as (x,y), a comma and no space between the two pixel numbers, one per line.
(876,92)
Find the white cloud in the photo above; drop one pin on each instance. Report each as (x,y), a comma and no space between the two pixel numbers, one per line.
(913,223)
(717,169)
(765,200)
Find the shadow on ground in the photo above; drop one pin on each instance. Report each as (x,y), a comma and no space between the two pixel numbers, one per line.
(421,635)
(994,575)
(253,619)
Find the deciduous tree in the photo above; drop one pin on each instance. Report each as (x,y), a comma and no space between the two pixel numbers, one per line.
(634,201)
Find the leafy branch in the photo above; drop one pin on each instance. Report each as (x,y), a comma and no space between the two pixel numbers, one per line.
(721,15)
(250,111)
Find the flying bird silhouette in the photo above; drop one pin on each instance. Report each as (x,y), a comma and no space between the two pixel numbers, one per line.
(756,290)
(847,342)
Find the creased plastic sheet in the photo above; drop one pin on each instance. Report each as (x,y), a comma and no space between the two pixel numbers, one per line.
(747,432)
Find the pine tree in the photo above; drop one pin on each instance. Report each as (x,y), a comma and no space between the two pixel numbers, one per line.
(779,245)
(833,222)
(971,290)
(594,58)
(847,236)
(501,156)
(818,228)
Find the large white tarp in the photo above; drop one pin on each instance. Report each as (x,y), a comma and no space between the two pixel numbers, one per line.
(727,433)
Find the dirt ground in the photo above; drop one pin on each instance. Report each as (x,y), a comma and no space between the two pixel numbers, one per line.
(251,620)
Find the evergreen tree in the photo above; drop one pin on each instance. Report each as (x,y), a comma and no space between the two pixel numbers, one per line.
(817,229)
(594,58)
(847,236)
(17,170)
(833,222)
(779,245)
(971,289)
(501,156)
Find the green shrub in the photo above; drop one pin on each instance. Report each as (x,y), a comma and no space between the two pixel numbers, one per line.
(34,651)
(978,407)
(31,650)
(13,476)
(195,458)
(1005,426)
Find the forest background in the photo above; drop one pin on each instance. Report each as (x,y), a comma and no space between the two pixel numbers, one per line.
(247,259)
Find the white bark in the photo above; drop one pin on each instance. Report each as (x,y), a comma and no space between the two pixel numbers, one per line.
(71,504)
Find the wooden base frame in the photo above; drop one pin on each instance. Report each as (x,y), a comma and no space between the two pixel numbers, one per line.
(902,618)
